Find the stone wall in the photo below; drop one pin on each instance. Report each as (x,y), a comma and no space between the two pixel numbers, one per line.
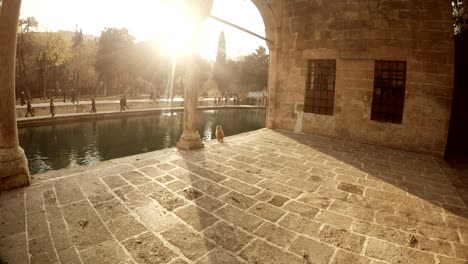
(356,33)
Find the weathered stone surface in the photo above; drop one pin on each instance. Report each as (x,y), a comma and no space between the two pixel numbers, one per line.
(334,219)
(261,252)
(147,248)
(342,256)
(68,191)
(351,210)
(12,220)
(208,203)
(241,187)
(217,256)
(342,238)
(86,229)
(60,235)
(316,252)
(238,200)
(34,200)
(125,227)
(14,249)
(278,200)
(267,211)
(192,245)
(114,181)
(106,253)
(315,200)
(381,232)
(461,251)
(300,224)
(210,188)
(152,172)
(176,185)
(111,209)
(167,200)
(275,234)
(352,188)
(37,225)
(94,189)
(239,218)
(156,218)
(280,189)
(229,237)
(51,206)
(302,185)
(41,250)
(69,255)
(329,227)
(243,176)
(302,209)
(195,217)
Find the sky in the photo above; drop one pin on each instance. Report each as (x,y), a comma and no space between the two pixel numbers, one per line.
(145,19)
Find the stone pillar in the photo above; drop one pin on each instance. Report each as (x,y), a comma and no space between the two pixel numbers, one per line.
(272,82)
(190,138)
(14,170)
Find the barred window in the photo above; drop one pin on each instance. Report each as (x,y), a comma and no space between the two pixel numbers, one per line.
(389,91)
(320,87)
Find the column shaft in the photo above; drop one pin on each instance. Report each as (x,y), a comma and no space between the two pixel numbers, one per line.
(14,170)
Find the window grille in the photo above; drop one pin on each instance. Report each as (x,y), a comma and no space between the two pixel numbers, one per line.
(320,87)
(389,91)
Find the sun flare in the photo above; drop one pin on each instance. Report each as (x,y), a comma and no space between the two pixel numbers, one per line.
(176,29)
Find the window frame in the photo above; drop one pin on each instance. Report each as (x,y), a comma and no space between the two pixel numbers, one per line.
(388,96)
(319,95)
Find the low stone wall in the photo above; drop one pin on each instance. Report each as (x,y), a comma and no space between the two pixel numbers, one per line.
(44,110)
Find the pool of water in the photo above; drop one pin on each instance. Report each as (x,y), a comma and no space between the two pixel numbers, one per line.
(73,144)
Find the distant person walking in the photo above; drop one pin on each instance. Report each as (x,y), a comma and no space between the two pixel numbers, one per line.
(64,92)
(22,98)
(93,105)
(52,108)
(123,103)
(29,109)
(74,96)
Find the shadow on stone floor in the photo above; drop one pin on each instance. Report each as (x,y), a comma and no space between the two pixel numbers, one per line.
(402,172)
(261,197)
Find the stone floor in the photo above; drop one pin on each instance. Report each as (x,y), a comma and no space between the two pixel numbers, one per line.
(261,197)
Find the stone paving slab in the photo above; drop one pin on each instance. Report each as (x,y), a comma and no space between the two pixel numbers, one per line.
(261,197)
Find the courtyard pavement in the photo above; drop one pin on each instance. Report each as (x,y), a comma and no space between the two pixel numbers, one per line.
(260,197)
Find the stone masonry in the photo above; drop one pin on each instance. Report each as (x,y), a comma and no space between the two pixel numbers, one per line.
(356,33)
(261,197)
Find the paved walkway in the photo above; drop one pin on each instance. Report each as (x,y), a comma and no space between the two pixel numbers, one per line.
(73,117)
(261,197)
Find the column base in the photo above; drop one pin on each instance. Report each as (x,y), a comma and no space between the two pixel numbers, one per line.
(190,141)
(14,171)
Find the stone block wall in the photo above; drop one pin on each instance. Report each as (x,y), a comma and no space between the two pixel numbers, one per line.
(355,33)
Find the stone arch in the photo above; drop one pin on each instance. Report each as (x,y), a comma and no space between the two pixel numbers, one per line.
(270,10)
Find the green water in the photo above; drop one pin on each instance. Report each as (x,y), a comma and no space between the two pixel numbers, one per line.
(73,144)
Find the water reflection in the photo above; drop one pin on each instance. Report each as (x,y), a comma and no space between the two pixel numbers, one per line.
(69,145)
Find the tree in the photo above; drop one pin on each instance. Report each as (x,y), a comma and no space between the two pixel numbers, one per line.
(219,72)
(25,49)
(254,69)
(81,66)
(460,15)
(53,53)
(112,57)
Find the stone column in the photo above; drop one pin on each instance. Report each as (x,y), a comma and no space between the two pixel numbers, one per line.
(190,138)
(14,170)
(272,82)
